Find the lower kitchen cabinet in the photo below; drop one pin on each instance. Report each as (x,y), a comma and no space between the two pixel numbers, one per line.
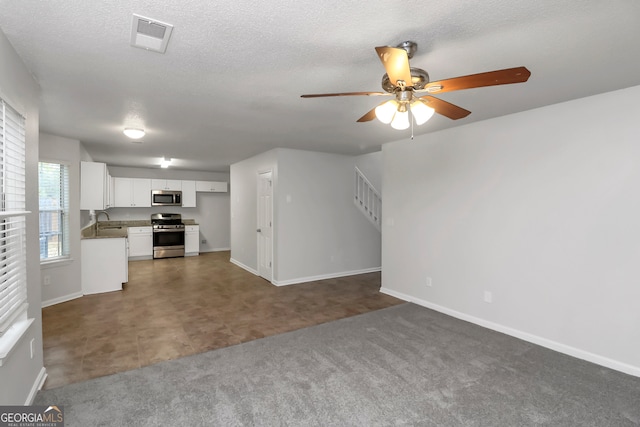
(140,242)
(191,240)
(104,265)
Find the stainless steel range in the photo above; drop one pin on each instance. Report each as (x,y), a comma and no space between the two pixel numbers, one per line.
(168,235)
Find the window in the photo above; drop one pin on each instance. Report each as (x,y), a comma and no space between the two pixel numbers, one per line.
(54,210)
(13,257)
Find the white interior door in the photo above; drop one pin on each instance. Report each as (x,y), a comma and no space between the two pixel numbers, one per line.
(265,225)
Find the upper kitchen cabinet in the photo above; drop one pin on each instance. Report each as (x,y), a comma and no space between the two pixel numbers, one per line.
(211,186)
(188,194)
(132,192)
(94,186)
(166,184)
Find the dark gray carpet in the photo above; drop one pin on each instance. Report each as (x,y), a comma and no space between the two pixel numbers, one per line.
(405,365)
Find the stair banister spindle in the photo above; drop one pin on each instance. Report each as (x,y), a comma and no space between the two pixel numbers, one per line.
(367,199)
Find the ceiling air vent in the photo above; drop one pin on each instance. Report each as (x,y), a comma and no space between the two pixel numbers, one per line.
(150,34)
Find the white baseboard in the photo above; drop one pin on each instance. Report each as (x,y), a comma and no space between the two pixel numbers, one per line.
(244,267)
(37,385)
(324,276)
(140,258)
(61,299)
(309,278)
(544,342)
(216,250)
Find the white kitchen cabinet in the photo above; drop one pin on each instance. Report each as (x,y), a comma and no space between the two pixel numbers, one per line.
(188,194)
(211,186)
(122,192)
(94,186)
(140,242)
(191,240)
(110,192)
(141,192)
(132,192)
(166,184)
(104,265)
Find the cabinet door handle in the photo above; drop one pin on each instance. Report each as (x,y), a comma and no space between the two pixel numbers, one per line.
(259,230)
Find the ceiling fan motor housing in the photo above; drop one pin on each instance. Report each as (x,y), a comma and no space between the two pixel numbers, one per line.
(410,47)
(419,79)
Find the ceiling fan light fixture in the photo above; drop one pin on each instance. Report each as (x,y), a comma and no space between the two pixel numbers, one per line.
(421,112)
(134,133)
(400,120)
(386,111)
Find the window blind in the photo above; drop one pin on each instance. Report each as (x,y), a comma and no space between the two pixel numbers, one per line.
(54,210)
(13,271)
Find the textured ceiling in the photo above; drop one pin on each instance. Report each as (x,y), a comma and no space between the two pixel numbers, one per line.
(230,82)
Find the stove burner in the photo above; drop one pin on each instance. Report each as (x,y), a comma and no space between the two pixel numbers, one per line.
(166,220)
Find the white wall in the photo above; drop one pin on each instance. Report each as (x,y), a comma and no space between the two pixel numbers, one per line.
(168,173)
(244,207)
(21,374)
(64,276)
(540,208)
(318,232)
(211,211)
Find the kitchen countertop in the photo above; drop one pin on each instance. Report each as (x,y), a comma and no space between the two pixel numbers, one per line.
(117,229)
(106,229)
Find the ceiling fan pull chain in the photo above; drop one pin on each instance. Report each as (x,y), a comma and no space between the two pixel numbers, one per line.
(412,120)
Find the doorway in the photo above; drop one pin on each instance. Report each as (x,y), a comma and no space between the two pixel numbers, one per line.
(265,225)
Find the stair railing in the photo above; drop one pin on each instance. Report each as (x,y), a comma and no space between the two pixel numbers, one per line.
(367,199)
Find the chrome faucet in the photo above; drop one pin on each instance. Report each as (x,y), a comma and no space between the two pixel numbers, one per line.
(104,212)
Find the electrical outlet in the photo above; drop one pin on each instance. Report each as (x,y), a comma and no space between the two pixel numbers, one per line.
(488,297)
(33,340)
(429,282)
(203,241)
(47,280)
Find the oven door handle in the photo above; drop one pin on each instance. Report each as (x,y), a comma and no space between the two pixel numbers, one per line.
(170,230)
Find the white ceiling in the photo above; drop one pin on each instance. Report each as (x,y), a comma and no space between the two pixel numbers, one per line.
(230,82)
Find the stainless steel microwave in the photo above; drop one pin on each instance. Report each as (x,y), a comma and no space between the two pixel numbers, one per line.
(166,198)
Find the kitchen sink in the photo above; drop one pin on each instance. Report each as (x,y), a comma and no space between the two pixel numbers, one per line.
(104,230)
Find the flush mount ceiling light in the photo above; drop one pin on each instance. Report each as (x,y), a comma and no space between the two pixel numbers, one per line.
(134,133)
(165,163)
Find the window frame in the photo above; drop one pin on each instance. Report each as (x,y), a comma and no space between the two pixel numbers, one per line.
(67,257)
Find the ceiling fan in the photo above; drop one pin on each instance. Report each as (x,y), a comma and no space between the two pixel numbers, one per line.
(408,84)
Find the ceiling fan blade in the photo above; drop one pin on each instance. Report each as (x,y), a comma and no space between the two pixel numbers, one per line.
(320,95)
(491,78)
(369,116)
(445,108)
(396,63)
